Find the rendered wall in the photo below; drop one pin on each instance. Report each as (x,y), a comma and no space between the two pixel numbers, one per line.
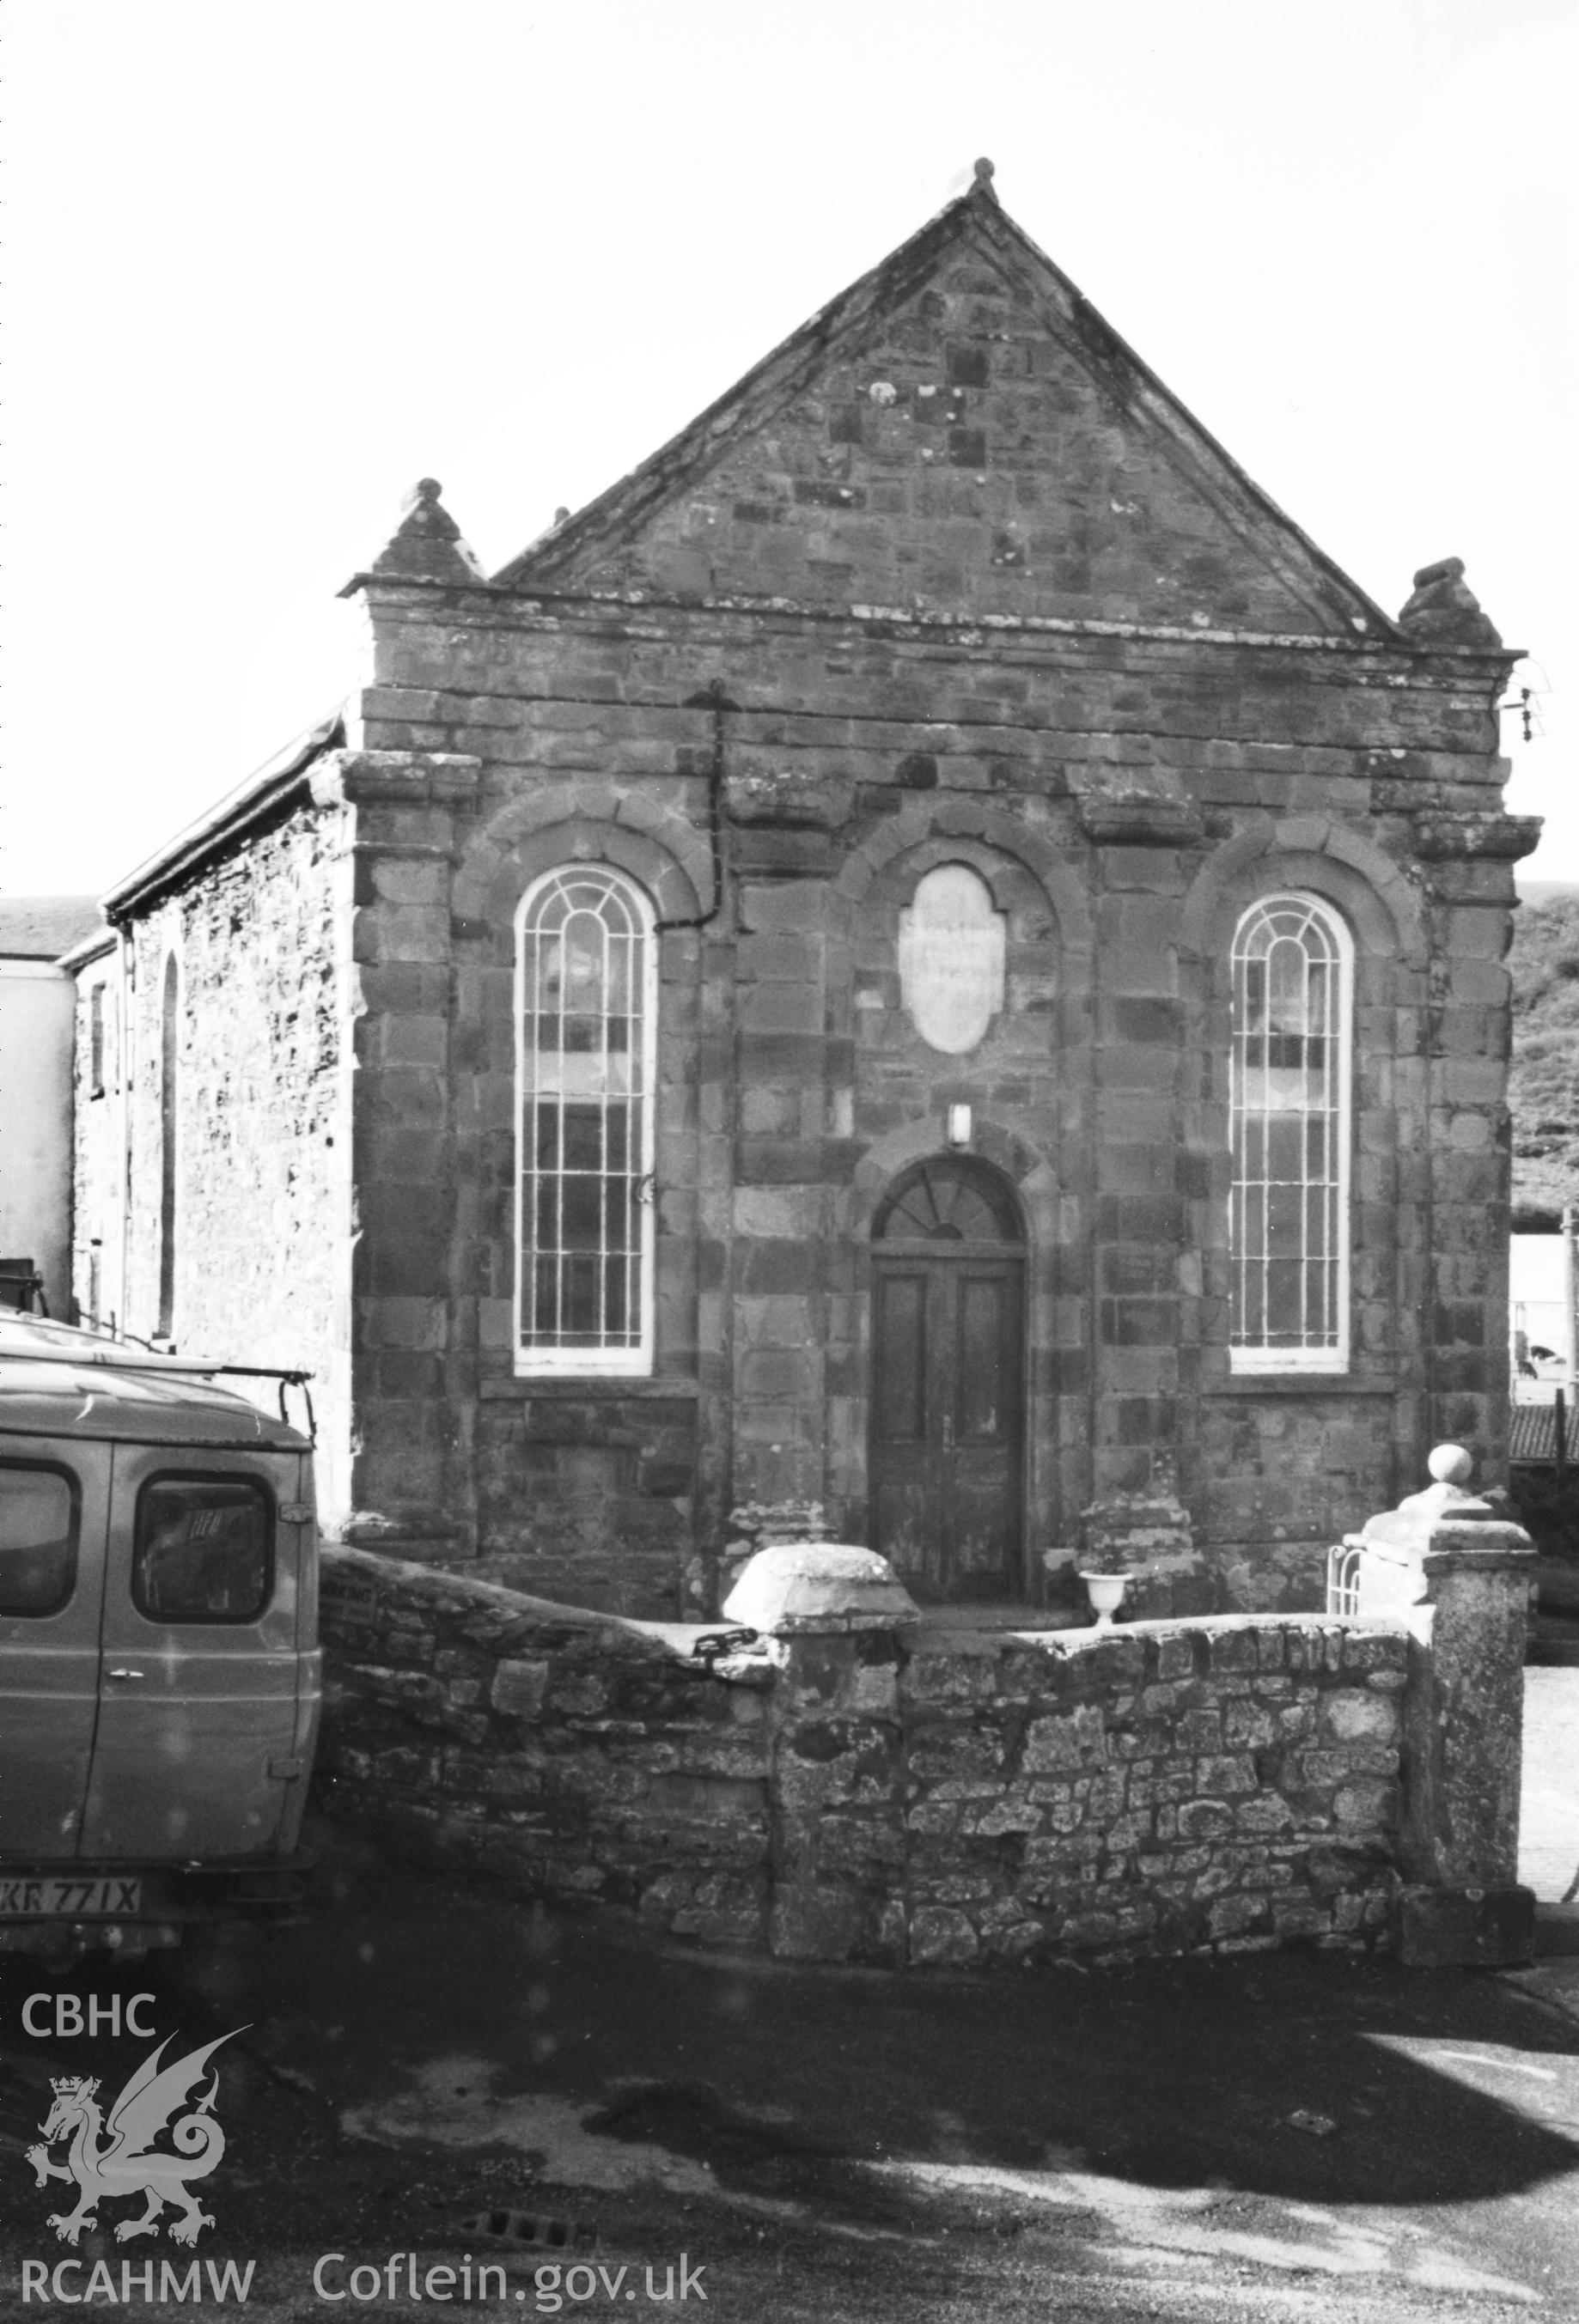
(35,1140)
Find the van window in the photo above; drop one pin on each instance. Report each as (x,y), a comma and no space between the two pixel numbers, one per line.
(204,1550)
(38,1538)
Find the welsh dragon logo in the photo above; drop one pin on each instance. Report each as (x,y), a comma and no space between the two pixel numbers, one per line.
(124,2160)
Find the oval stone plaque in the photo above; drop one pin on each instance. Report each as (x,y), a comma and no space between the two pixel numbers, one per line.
(951,958)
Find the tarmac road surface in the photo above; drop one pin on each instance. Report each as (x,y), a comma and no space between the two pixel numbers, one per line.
(434,2079)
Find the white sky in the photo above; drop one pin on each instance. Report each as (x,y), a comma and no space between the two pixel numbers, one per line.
(265,265)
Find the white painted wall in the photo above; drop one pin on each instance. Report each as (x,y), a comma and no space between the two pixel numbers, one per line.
(36,1010)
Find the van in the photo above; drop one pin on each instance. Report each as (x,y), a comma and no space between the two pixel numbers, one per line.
(160,1678)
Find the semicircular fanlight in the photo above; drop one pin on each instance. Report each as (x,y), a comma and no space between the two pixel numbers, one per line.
(946,1200)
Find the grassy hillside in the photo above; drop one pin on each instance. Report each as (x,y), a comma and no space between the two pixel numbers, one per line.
(1544,1085)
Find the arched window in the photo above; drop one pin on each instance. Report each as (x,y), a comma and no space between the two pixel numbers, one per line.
(1289,1229)
(586,988)
(169,1059)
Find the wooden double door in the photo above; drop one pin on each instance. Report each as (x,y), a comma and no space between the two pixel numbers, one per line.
(946,1452)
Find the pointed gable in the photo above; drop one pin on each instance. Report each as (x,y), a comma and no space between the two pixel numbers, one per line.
(959,433)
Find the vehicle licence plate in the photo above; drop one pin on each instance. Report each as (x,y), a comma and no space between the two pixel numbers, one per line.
(48,1896)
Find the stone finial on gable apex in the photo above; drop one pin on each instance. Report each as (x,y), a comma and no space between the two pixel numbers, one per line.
(1445,612)
(982,176)
(426,545)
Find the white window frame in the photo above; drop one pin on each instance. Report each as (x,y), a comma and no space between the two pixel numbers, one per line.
(634,1358)
(1326,1354)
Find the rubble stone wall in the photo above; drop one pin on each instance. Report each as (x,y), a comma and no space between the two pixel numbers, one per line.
(1229,1782)
(574,1755)
(262,1216)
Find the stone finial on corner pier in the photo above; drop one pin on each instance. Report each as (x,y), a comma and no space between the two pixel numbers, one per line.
(1445,612)
(1446,1521)
(1456,1572)
(426,545)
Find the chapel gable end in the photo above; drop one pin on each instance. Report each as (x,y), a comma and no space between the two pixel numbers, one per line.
(960,433)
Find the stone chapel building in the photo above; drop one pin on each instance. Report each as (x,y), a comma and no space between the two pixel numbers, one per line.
(927,953)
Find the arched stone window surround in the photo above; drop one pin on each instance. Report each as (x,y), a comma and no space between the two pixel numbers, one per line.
(1389,1166)
(590,821)
(871,934)
(1384,908)
(930,829)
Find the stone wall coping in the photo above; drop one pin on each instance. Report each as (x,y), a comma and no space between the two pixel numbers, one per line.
(1087,1638)
(445,1588)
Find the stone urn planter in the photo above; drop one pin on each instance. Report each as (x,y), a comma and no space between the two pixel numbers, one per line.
(1106,1593)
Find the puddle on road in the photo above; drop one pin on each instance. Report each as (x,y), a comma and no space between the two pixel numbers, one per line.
(452,2104)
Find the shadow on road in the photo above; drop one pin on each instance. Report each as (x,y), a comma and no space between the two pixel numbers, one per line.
(1443,2086)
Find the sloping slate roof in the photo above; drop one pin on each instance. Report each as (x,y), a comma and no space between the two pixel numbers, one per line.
(270,787)
(42,928)
(1532,1434)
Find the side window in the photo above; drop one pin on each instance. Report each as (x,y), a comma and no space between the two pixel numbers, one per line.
(587,985)
(204,1550)
(1289,1226)
(95,1040)
(40,1514)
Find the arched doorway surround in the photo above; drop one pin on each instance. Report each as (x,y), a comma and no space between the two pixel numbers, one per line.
(946,1452)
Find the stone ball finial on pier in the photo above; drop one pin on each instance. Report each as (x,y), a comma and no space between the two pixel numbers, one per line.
(1445,1519)
(1454,1569)
(1450,1464)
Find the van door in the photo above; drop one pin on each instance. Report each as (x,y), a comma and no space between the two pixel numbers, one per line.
(196,1720)
(53,1518)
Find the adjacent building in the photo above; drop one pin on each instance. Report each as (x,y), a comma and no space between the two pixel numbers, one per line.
(36,1010)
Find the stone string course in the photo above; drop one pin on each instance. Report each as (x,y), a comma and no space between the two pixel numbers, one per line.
(1228,1784)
